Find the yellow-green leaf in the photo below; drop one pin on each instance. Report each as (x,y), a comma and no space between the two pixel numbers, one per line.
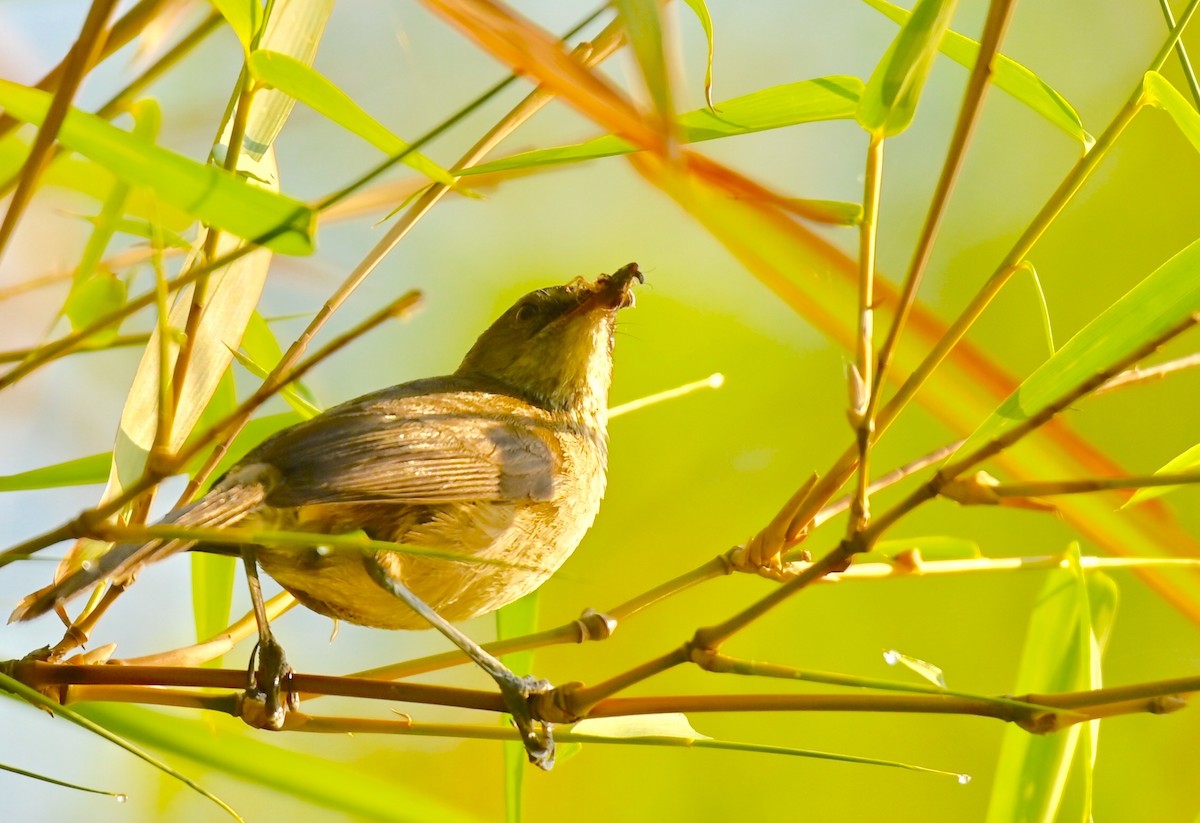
(310,87)
(1190,459)
(806,101)
(1007,75)
(211,194)
(890,99)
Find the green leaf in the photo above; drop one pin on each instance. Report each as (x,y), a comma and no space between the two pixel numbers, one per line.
(243,16)
(1158,92)
(227,747)
(643,30)
(99,295)
(806,101)
(303,407)
(1164,299)
(890,98)
(1190,459)
(1067,632)
(700,9)
(211,194)
(93,469)
(1007,75)
(260,343)
(146,230)
(70,171)
(514,620)
(81,719)
(120,797)
(79,472)
(1043,306)
(306,84)
(212,574)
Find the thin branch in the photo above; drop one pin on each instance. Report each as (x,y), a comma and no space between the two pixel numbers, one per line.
(522,112)
(984,490)
(1034,712)
(1184,61)
(90,520)
(127,27)
(999,14)
(1137,374)
(78,62)
(862,377)
(1019,431)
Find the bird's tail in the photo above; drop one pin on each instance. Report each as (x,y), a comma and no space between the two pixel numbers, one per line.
(220,507)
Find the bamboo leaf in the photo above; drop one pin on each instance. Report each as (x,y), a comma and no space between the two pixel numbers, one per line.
(213,195)
(700,9)
(317,780)
(890,98)
(79,472)
(643,30)
(81,719)
(820,283)
(304,83)
(1007,74)
(806,101)
(1164,299)
(212,574)
(1190,459)
(243,16)
(1158,92)
(100,294)
(120,797)
(516,619)
(1067,633)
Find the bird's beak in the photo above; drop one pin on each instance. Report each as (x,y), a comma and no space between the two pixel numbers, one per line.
(615,291)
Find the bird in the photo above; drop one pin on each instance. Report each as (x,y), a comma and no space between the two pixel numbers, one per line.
(502,461)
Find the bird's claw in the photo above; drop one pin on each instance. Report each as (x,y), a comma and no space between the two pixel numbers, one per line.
(267,691)
(539,744)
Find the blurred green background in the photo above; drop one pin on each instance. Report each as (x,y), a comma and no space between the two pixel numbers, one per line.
(689,478)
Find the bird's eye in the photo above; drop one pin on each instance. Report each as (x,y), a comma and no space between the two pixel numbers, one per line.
(526,312)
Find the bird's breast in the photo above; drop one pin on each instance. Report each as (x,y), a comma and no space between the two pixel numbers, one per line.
(510,547)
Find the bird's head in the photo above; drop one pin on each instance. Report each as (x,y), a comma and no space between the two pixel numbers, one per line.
(554,346)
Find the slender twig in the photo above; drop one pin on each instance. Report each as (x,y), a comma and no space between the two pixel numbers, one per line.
(1184,61)
(127,27)
(119,342)
(999,14)
(78,62)
(976,490)
(713,381)
(167,399)
(523,111)
(1036,712)
(1139,375)
(1017,432)
(88,521)
(862,379)
(844,466)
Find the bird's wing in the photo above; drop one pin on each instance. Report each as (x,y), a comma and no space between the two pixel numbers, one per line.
(432,448)
(224,506)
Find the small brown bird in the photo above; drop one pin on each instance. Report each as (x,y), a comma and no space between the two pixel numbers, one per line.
(505,460)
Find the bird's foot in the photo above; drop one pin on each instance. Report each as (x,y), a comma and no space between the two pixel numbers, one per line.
(536,735)
(268,698)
